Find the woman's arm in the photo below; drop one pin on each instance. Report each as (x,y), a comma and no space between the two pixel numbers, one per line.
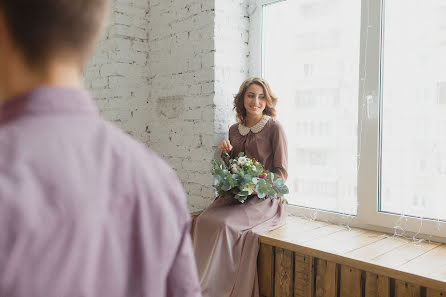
(226,148)
(280,151)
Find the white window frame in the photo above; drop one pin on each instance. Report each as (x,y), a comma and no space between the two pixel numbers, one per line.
(368,216)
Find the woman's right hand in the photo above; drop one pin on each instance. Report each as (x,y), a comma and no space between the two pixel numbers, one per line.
(225,146)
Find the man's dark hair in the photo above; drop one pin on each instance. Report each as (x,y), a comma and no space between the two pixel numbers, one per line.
(43,28)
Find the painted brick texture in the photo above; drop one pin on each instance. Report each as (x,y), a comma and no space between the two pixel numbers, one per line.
(166,72)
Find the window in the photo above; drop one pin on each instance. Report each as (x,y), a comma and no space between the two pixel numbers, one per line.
(413,111)
(362,92)
(311,57)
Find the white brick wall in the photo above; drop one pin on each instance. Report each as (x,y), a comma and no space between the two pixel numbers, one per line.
(117,74)
(231,59)
(166,72)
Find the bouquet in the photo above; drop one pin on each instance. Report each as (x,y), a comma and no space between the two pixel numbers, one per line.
(242,176)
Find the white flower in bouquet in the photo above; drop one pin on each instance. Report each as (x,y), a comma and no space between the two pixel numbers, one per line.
(234,168)
(242,177)
(249,188)
(241,161)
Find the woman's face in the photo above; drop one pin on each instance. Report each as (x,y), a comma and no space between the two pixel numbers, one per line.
(254,101)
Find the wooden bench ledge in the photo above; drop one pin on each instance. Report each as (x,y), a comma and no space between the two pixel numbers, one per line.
(421,263)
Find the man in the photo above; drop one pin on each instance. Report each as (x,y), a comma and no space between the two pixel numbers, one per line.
(85,211)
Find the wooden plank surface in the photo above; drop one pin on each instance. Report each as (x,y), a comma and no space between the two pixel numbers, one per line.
(435,293)
(283,283)
(376,285)
(303,233)
(294,228)
(383,256)
(326,278)
(428,263)
(317,233)
(344,241)
(351,284)
(440,275)
(405,289)
(303,276)
(377,248)
(265,268)
(400,256)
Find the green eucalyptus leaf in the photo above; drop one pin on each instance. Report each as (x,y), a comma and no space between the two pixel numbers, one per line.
(280,187)
(240,185)
(261,188)
(272,176)
(226,187)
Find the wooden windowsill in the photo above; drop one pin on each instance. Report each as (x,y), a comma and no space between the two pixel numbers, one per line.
(422,263)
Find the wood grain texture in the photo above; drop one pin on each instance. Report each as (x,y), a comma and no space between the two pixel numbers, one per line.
(294,229)
(395,258)
(351,284)
(265,269)
(428,263)
(344,241)
(400,256)
(435,293)
(326,278)
(303,276)
(376,285)
(405,289)
(283,278)
(378,248)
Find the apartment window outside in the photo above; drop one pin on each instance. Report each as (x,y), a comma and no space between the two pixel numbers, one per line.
(413,110)
(362,92)
(311,57)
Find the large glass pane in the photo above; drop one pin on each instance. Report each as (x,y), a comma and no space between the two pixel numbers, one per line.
(414,108)
(311,59)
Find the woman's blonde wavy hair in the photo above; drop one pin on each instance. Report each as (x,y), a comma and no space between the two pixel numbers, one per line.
(239,105)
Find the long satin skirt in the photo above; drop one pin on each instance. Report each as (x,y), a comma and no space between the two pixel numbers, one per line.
(226,243)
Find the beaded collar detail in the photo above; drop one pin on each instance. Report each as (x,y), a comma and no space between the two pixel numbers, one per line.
(256,128)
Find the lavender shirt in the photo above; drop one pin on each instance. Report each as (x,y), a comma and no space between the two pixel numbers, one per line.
(85,211)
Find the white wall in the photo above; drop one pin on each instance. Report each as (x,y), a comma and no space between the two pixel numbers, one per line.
(231,59)
(117,74)
(166,72)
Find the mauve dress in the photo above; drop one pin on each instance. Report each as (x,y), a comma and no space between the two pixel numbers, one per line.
(226,234)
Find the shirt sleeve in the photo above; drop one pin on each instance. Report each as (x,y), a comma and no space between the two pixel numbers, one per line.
(182,280)
(280,151)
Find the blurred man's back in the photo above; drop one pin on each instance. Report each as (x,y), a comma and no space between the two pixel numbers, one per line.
(84,209)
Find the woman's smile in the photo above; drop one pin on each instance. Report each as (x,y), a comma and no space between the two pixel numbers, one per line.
(254,107)
(254,100)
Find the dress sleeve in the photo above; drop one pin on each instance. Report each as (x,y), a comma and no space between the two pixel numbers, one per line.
(231,139)
(280,151)
(231,153)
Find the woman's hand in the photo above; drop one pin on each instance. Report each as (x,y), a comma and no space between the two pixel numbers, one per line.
(225,146)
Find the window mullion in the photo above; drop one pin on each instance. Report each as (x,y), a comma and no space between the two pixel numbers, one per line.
(368,111)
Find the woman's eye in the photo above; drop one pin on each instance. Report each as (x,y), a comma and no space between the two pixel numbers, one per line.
(250,96)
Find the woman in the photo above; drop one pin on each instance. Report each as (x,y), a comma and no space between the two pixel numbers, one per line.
(226,234)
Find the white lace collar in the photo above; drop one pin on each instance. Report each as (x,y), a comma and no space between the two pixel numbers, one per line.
(256,128)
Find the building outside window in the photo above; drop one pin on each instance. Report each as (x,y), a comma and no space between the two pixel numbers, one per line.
(362,92)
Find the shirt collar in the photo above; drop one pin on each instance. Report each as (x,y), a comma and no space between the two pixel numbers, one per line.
(49,100)
(256,128)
